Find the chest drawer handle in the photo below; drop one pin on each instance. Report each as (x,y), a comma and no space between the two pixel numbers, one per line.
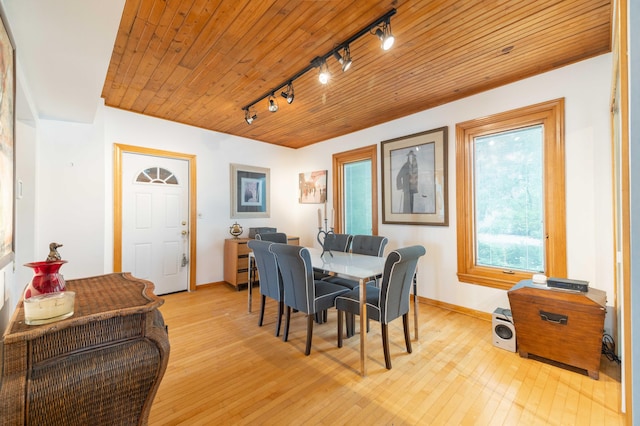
(554,318)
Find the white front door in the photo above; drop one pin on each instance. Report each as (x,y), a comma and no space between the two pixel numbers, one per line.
(155,220)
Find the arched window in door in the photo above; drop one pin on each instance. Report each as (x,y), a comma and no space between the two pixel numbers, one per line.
(157,175)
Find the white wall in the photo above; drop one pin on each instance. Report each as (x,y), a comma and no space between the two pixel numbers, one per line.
(215,152)
(585,87)
(73,172)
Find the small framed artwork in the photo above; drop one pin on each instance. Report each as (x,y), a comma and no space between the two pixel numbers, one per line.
(313,187)
(414,179)
(7,152)
(249,191)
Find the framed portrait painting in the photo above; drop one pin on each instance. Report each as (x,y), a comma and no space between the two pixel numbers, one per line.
(7,156)
(312,187)
(414,179)
(249,191)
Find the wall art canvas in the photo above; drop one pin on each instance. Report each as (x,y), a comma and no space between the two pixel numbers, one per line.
(7,159)
(312,187)
(249,191)
(414,179)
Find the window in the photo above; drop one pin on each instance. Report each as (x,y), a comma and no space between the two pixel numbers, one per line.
(355,185)
(157,175)
(357,197)
(511,196)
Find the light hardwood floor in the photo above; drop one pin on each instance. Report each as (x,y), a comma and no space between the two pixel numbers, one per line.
(224,369)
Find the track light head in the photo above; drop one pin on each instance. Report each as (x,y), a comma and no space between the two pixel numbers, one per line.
(385,36)
(248,117)
(324,75)
(381,28)
(288,93)
(344,59)
(273,103)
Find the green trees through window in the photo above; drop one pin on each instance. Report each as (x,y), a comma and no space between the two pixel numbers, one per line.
(510,196)
(508,179)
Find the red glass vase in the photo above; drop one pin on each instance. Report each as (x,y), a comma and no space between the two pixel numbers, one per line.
(46,278)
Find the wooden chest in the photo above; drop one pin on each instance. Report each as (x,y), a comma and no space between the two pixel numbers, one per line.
(563,326)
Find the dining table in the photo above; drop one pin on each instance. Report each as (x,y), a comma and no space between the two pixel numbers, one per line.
(358,267)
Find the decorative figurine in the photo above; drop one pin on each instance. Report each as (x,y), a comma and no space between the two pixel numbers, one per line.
(46,278)
(324,235)
(235,230)
(53,252)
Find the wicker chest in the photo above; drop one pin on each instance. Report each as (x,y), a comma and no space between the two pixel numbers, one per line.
(563,326)
(103,365)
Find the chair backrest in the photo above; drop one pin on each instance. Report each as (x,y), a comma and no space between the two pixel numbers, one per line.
(270,280)
(338,242)
(399,269)
(371,245)
(296,271)
(274,237)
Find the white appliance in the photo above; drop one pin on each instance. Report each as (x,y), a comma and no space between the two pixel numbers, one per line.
(504,332)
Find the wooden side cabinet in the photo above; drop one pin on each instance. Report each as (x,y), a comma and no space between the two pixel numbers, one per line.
(236,260)
(563,326)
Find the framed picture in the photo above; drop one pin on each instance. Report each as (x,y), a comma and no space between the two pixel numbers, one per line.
(7,157)
(249,191)
(313,187)
(414,179)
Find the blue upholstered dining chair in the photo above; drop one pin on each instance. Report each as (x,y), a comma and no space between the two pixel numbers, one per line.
(301,291)
(370,245)
(270,280)
(334,242)
(338,242)
(390,300)
(274,237)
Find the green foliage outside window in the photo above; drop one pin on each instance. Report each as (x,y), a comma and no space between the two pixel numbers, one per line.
(509,210)
(357,176)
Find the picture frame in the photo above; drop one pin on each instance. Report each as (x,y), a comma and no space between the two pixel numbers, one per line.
(414,179)
(312,187)
(250,192)
(7,151)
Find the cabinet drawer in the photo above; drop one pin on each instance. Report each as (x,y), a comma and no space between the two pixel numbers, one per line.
(243,248)
(243,276)
(243,262)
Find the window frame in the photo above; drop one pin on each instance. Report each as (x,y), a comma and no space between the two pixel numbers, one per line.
(551,116)
(339,160)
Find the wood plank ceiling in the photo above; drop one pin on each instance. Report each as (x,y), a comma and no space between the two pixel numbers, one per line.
(199,62)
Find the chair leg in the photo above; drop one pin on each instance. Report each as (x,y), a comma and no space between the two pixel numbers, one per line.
(285,336)
(385,345)
(340,316)
(407,338)
(309,334)
(351,324)
(321,317)
(262,303)
(280,310)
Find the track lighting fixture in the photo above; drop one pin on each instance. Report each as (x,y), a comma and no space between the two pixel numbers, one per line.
(344,59)
(248,117)
(273,103)
(323,75)
(381,28)
(385,36)
(288,93)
